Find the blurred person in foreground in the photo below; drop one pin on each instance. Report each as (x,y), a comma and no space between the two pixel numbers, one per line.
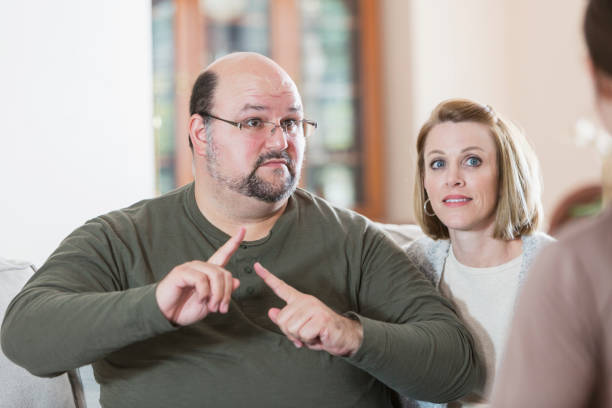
(559,352)
(170,301)
(477,198)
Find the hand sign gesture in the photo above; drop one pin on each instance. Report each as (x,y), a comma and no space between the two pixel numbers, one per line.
(194,289)
(305,320)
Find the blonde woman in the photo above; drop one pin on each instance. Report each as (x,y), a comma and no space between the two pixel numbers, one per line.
(477,198)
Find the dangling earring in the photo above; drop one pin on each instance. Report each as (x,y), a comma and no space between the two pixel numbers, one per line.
(425,209)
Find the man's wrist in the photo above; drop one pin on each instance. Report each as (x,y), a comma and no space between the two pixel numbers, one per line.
(356,330)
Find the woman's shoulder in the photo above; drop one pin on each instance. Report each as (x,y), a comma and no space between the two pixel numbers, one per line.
(427,246)
(533,244)
(536,240)
(429,255)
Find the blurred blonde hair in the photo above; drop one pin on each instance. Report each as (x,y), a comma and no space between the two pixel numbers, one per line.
(519,206)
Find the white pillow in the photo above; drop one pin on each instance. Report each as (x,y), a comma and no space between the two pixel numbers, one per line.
(402,234)
(19,388)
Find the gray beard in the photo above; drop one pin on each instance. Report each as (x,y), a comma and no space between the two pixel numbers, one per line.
(253,185)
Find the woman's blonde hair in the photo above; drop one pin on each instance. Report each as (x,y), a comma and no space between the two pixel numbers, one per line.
(519,206)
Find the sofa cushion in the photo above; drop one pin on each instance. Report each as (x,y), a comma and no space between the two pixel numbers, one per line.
(19,387)
(402,234)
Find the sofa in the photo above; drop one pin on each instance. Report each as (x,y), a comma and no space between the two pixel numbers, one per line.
(19,388)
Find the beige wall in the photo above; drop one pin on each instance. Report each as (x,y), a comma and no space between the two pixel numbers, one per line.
(397,108)
(524,58)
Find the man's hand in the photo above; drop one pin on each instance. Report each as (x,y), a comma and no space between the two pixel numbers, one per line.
(194,289)
(305,320)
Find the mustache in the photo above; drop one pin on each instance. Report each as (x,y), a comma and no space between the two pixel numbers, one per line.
(276,155)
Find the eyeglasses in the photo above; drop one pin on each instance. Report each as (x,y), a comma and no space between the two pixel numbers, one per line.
(255,126)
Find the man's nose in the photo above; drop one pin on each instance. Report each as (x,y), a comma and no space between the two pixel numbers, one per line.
(277,138)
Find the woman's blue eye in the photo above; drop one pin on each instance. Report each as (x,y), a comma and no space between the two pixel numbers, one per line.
(473,161)
(436,164)
(253,123)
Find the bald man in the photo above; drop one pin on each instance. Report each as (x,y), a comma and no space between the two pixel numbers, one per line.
(240,289)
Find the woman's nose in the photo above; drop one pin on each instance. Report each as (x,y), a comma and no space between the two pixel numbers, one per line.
(454,177)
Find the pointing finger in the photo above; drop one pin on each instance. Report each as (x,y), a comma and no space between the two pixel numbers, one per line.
(273,314)
(222,256)
(227,296)
(282,290)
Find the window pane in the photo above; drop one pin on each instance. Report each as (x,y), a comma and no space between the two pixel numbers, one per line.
(329,76)
(338,184)
(328,81)
(247,30)
(163,93)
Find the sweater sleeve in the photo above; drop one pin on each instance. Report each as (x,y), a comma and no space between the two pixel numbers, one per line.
(413,340)
(77,308)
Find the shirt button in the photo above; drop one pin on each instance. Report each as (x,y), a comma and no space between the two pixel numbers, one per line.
(248,269)
(250,290)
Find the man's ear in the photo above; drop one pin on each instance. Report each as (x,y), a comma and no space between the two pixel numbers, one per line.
(197,134)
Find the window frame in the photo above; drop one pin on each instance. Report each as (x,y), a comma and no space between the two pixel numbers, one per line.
(190,52)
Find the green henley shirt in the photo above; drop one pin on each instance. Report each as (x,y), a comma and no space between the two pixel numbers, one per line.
(93,301)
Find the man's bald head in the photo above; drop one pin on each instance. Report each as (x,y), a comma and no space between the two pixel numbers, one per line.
(240,63)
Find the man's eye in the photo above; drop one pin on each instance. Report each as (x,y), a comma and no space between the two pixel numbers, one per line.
(437,164)
(253,123)
(289,124)
(473,161)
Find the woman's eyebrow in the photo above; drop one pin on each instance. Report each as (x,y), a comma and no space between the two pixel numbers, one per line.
(472,148)
(435,152)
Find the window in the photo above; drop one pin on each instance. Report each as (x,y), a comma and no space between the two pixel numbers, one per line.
(163,93)
(329,47)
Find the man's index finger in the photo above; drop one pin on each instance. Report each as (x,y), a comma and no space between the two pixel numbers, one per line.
(222,256)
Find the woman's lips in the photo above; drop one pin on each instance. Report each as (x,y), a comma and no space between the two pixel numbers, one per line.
(456,200)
